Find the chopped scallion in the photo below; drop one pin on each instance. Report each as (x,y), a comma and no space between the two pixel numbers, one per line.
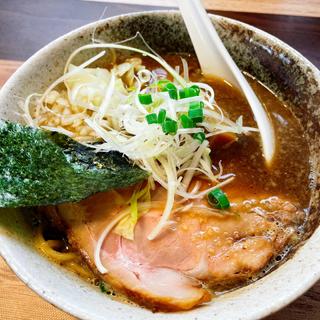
(152,118)
(172,90)
(187,93)
(170,126)
(102,286)
(196,111)
(162,116)
(196,105)
(145,98)
(218,199)
(196,89)
(186,122)
(200,136)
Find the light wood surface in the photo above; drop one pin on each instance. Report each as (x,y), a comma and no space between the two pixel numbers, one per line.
(307,8)
(18,302)
(7,68)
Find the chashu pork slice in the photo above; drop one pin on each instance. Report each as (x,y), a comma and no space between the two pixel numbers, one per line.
(200,246)
(159,288)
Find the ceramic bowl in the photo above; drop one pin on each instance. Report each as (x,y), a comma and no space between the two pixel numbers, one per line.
(272,62)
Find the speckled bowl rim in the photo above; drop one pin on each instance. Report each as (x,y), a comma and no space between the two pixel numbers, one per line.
(263,309)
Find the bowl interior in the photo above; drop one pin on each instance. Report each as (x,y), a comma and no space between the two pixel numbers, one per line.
(275,64)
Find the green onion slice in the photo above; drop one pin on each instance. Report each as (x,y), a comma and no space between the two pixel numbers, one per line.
(196,115)
(200,136)
(152,118)
(196,111)
(196,105)
(186,122)
(196,89)
(188,92)
(162,116)
(172,90)
(170,126)
(218,199)
(145,98)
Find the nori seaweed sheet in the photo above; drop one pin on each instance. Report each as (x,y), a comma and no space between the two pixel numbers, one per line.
(40,167)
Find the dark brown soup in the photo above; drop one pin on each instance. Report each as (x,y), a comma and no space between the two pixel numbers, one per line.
(288,174)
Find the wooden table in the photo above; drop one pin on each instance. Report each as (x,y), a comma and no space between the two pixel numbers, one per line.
(27,25)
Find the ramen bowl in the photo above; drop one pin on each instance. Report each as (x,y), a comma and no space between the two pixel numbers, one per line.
(282,69)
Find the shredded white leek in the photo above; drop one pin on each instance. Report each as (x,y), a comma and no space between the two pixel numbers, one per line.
(172,185)
(185,69)
(97,250)
(107,98)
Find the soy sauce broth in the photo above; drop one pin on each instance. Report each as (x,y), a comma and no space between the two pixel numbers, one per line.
(288,174)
